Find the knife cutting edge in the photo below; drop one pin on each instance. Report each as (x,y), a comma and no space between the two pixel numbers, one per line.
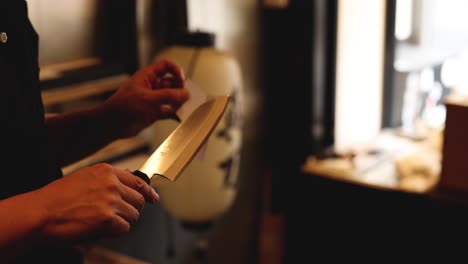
(181,146)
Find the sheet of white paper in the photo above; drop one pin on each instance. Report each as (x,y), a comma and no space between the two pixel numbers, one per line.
(197,97)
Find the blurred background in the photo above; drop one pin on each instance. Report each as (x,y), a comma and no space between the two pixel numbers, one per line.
(352,90)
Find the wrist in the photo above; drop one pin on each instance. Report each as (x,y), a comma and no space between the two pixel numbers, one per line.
(28,215)
(122,121)
(110,121)
(38,210)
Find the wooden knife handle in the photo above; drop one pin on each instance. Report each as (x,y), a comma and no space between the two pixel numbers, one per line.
(142,176)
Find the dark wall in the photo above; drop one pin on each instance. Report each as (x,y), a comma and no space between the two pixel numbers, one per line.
(116,36)
(298,55)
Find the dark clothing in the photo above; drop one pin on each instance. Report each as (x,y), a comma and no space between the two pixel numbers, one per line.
(27,163)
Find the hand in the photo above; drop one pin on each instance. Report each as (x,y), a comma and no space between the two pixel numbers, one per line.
(153,93)
(99,200)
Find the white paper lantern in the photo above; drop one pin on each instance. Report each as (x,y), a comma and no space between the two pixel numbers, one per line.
(208,186)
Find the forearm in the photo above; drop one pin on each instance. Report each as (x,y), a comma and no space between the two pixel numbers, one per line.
(73,136)
(20,225)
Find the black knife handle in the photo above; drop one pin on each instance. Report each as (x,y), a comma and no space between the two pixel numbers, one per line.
(142,176)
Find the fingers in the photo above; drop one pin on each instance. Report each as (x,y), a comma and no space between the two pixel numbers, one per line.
(164,67)
(127,212)
(169,82)
(117,225)
(138,185)
(136,199)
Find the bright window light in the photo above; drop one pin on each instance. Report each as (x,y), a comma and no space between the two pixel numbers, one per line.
(427,79)
(452,69)
(404,17)
(359,72)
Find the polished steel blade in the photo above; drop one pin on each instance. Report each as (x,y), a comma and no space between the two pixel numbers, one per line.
(181,146)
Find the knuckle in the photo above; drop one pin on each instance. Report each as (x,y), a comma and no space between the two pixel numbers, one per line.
(139,183)
(105,173)
(106,216)
(105,205)
(103,167)
(112,187)
(111,200)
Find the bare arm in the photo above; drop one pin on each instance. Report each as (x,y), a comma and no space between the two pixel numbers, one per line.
(20,224)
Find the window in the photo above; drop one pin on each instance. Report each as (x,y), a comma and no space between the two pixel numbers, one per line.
(431,43)
(404,22)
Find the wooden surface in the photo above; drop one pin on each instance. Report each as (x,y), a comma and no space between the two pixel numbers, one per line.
(100,255)
(83,90)
(52,71)
(111,152)
(79,89)
(401,164)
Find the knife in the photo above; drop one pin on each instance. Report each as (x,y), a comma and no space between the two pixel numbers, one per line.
(181,146)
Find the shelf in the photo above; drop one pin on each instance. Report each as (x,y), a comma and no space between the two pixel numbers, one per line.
(56,70)
(391,162)
(115,152)
(77,79)
(82,90)
(410,58)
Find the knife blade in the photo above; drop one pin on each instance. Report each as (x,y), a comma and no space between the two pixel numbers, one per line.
(181,146)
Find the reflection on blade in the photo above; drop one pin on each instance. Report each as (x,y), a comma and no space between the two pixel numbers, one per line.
(176,152)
